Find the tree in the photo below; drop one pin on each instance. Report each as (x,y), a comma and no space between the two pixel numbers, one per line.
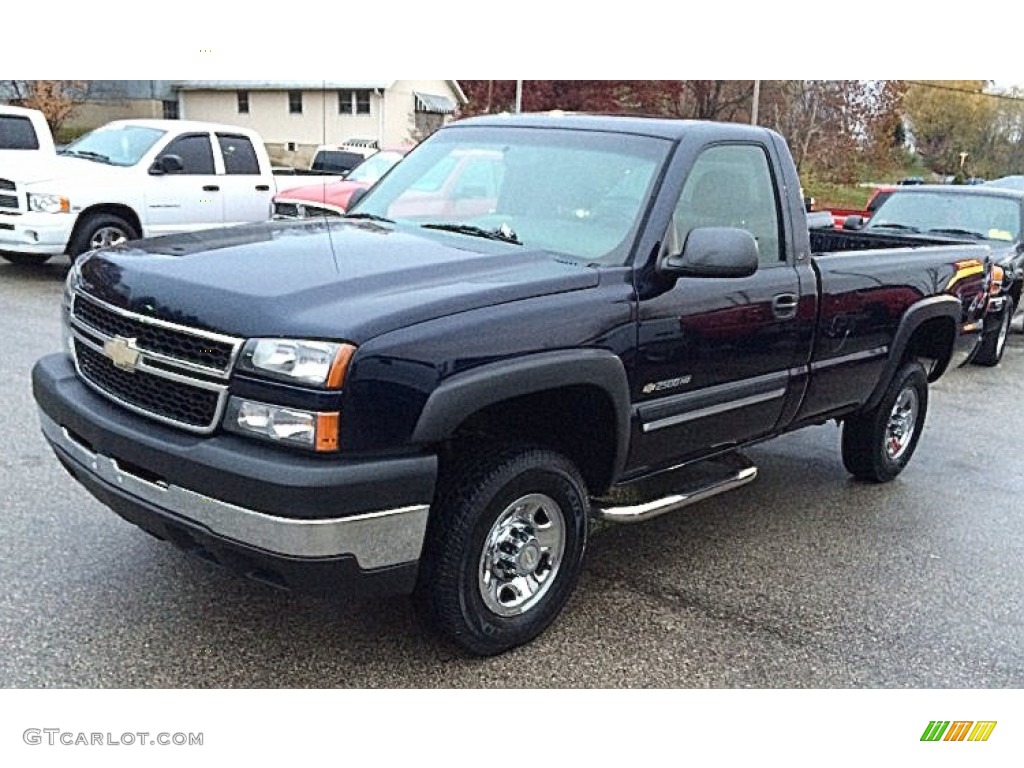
(948,118)
(56,99)
(833,126)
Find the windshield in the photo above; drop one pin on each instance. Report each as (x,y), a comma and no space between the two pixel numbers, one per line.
(370,171)
(115,144)
(949,213)
(575,193)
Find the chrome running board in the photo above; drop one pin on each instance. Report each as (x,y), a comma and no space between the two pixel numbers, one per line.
(736,476)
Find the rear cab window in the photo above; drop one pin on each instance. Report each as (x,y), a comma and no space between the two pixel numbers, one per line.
(17,132)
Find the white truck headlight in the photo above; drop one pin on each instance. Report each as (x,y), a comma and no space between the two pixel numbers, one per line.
(43,203)
(291,426)
(320,363)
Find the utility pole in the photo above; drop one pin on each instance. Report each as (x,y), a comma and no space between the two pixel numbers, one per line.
(757,102)
(519,96)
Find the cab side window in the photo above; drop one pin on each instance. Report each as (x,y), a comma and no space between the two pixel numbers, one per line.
(731,186)
(239,155)
(195,152)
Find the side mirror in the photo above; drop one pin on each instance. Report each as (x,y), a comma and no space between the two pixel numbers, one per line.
(713,252)
(167,164)
(854,222)
(356,196)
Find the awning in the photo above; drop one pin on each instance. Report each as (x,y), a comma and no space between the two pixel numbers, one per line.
(429,102)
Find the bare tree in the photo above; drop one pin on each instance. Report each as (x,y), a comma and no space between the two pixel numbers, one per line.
(56,99)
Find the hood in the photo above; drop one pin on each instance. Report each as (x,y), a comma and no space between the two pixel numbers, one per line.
(25,167)
(343,280)
(337,193)
(45,168)
(1004,254)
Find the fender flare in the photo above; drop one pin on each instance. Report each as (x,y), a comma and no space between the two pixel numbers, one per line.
(918,314)
(462,395)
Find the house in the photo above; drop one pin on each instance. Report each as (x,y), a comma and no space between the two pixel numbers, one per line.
(294,117)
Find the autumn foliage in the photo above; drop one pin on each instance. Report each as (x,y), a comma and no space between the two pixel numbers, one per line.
(834,127)
(56,99)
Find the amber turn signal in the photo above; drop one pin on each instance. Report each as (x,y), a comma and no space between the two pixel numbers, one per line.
(327,431)
(336,376)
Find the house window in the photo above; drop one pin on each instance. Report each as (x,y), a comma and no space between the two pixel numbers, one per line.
(171,110)
(295,102)
(243,103)
(354,102)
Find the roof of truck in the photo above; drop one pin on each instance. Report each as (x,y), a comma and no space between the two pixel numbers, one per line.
(10,109)
(976,190)
(181,125)
(646,126)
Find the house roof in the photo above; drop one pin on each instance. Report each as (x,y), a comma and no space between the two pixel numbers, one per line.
(297,85)
(277,85)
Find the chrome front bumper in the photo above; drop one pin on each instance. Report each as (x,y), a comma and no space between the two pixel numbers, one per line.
(376,539)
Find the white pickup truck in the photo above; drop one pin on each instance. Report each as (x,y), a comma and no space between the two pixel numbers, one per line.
(131,179)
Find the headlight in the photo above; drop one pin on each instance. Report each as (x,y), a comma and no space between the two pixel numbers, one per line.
(48,203)
(321,363)
(317,431)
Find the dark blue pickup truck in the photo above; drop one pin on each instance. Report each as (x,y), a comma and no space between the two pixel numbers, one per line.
(438,392)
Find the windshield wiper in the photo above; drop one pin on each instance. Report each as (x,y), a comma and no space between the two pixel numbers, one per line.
(956,231)
(893,225)
(503,233)
(367,217)
(87,155)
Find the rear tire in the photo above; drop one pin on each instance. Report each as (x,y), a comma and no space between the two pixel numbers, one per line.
(504,548)
(878,444)
(993,344)
(26,259)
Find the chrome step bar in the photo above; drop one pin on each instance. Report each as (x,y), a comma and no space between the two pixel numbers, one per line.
(641,512)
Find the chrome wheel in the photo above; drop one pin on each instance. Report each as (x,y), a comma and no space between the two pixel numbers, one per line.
(107,236)
(899,431)
(522,554)
(1004,331)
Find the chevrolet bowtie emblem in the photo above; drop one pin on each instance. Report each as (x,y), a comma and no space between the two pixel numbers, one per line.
(122,353)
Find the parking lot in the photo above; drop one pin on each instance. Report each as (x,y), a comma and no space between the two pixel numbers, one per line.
(801,579)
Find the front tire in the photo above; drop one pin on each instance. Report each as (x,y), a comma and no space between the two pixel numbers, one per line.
(877,445)
(993,344)
(504,548)
(100,230)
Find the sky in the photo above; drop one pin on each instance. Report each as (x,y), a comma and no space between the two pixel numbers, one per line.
(785,39)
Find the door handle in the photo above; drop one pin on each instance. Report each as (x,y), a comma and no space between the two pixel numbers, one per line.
(785,305)
(211,188)
(262,187)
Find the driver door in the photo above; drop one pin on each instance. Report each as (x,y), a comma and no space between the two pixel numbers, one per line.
(188,200)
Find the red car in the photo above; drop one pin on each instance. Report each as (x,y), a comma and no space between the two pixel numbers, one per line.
(879,196)
(332,199)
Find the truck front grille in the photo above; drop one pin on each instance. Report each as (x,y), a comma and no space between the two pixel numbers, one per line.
(153,394)
(169,372)
(8,201)
(185,345)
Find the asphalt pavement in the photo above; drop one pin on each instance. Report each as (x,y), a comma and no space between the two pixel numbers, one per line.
(803,579)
